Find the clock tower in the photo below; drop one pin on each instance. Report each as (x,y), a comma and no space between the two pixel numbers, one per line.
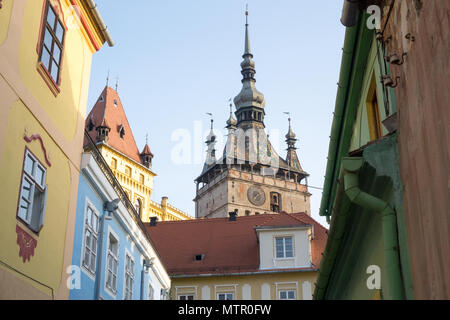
(250,176)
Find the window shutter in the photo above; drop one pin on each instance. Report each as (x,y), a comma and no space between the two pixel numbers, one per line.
(30,211)
(43,205)
(21,213)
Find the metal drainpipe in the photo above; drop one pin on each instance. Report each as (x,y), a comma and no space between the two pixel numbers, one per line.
(389,221)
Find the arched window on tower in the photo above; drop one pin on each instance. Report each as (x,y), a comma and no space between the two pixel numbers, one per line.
(275,202)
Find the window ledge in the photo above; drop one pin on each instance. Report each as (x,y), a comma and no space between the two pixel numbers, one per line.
(284,259)
(53,86)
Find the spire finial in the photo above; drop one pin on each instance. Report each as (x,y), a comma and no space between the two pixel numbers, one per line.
(107,79)
(246,14)
(146,138)
(247,38)
(290,136)
(212,120)
(117,82)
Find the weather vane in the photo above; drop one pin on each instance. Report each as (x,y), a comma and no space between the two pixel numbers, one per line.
(210,114)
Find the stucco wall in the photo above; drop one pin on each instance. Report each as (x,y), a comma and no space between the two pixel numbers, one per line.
(229,192)
(423,98)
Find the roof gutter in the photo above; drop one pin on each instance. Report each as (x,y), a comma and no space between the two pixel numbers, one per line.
(349,184)
(339,111)
(248,273)
(98,19)
(350,12)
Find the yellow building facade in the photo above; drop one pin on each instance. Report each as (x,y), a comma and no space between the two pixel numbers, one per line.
(43,97)
(108,127)
(257,286)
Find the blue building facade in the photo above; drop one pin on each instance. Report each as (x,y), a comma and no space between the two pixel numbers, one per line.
(113,257)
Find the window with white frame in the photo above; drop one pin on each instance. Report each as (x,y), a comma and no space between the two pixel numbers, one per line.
(151,292)
(112,263)
(90,239)
(287,294)
(33,193)
(225,296)
(129,277)
(284,247)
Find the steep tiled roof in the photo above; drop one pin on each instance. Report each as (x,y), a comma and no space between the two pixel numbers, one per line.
(227,246)
(146,151)
(109,109)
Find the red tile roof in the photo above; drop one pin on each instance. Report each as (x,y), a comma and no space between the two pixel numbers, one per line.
(146,151)
(228,246)
(109,110)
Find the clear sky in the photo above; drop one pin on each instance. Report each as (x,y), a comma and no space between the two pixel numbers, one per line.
(177,60)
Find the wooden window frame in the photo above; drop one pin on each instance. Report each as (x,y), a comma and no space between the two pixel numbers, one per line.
(115,257)
(88,246)
(41,186)
(128,277)
(53,84)
(287,294)
(225,294)
(283,239)
(373,111)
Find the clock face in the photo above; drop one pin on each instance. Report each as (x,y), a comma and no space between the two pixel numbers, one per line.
(256,195)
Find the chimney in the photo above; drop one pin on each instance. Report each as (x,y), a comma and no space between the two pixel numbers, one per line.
(233,215)
(153,221)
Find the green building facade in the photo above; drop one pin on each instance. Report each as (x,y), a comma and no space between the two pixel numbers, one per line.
(366,256)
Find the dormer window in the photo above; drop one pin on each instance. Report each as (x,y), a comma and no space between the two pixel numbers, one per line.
(122,131)
(115,102)
(199,257)
(91,124)
(101,99)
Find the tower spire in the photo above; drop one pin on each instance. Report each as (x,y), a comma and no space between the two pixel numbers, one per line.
(291,158)
(249,102)
(210,142)
(231,122)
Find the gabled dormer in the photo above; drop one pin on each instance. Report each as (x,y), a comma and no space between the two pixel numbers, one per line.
(285,246)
